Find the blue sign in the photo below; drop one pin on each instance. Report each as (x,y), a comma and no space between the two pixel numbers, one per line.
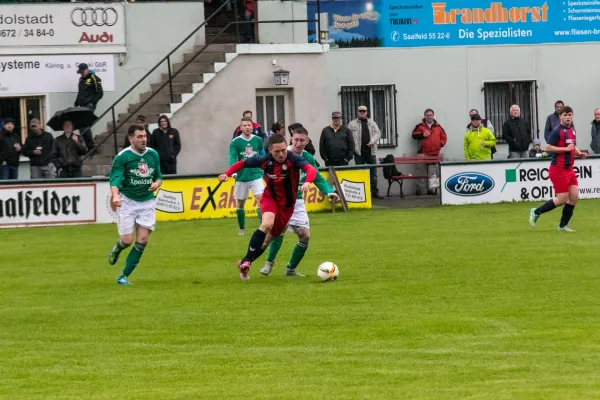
(469,184)
(418,23)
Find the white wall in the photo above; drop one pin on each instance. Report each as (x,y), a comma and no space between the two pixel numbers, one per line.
(450,80)
(153,30)
(269,10)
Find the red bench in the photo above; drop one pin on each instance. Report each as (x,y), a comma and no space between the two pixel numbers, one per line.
(418,159)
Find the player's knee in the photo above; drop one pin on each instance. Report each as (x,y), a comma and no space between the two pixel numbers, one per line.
(127,239)
(266,226)
(304,236)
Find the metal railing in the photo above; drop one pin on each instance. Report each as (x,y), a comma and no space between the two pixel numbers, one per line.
(116,125)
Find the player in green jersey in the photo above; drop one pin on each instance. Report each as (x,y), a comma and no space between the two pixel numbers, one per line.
(299,222)
(135,175)
(241,148)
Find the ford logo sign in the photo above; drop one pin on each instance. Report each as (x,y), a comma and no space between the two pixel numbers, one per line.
(469,184)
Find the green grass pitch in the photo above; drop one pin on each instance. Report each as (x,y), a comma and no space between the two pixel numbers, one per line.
(438,303)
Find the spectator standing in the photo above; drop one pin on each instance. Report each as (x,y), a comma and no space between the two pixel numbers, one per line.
(310,147)
(536,150)
(596,132)
(89,94)
(141,122)
(336,145)
(69,149)
(39,147)
(486,123)
(517,133)
(10,151)
(365,134)
(256,128)
(553,120)
(249,13)
(432,138)
(166,141)
(479,140)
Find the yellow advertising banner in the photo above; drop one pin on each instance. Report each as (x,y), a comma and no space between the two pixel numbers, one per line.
(201,198)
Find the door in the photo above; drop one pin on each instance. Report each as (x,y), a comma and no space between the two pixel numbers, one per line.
(273,106)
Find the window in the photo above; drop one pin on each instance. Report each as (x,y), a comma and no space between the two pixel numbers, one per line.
(381,102)
(272,106)
(499,96)
(21,110)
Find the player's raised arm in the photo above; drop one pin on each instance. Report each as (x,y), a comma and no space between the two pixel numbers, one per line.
(253,162)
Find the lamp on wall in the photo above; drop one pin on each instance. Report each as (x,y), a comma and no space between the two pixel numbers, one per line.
(281,76)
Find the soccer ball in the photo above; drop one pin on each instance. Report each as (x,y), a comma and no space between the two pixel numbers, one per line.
(328,271)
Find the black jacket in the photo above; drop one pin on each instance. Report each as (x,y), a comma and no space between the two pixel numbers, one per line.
(336,145)
(8,152)
(167,144)
(68,153)
(127,144)
(44,140)
(90,91)
(517,133)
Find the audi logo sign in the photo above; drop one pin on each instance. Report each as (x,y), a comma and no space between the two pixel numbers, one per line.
(94,16)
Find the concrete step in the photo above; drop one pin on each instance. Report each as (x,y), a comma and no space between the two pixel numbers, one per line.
(96,170)
(151,118)
(205,57)
(177,88)
(195,68)
(224,38)
(154,108)
(161,98)
(183,78)
(213,30)
(216,48)
(100,159)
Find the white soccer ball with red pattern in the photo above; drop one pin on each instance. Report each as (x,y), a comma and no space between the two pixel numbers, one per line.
(328,271)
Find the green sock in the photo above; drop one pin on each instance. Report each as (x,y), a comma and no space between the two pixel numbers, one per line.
(274,248)
(259,214)
(120,246)
(133,258)
(241,217)
(297,254)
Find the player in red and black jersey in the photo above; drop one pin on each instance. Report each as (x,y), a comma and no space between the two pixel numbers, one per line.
(282,175)
(562,145)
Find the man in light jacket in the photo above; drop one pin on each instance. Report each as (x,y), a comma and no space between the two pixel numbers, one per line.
(479,141)
(366,133)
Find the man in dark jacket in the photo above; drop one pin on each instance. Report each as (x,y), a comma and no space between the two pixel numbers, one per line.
(517,133)
(39,147)
(596,132)
(10,151)
(553,120)
(69,149)
(336,145)
(166,141)
(90,93)
(141,122)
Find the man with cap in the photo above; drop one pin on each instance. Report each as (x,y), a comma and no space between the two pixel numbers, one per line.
(366,133)
(479,141)
(90,93)
(141,122)
(336,145)
(10,150)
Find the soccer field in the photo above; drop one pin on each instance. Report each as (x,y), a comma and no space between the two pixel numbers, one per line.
(437,303)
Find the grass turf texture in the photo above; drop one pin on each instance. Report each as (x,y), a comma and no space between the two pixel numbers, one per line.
(440,303)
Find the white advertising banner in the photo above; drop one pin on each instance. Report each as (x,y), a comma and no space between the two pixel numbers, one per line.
(80,27)
(58,74)
(55,204)
(518,180)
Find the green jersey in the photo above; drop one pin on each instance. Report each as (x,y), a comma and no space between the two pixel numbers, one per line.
(133,173)
(241,149)
(320,182)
